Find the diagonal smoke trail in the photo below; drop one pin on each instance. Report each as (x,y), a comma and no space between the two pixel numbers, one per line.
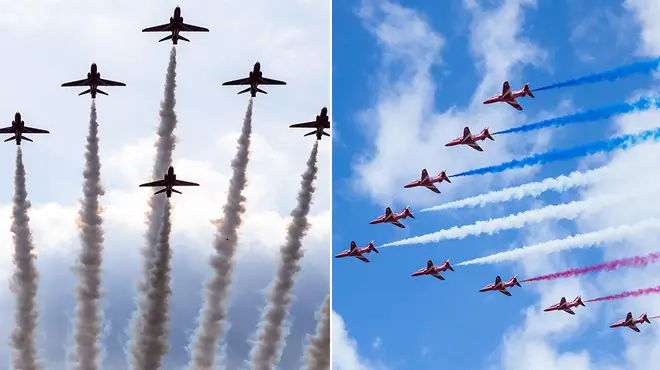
(267,350)
(25,280)
(318,351)
(155,318)
(164,148)
(89,319)
(213,315)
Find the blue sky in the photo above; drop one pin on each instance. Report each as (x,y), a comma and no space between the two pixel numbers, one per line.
(407,76)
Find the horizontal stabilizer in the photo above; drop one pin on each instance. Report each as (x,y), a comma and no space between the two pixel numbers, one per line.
(11,138)
(85,92)
(161,191)
(261,91)
(26,138)
(243,91)
(169,37)
(310,133)
(176,191)
(183,38)
(325,133)
(101,92)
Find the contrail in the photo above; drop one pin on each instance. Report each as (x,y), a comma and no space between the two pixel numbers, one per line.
(609,145)
(566,211)
(532,189)
(213,315)
(636,293)
(25,280)
(153,339)
(164,148)
(637,261)
(606,112)
(642,67)
(318,350)
(266,352)
(89,315)
(586,240)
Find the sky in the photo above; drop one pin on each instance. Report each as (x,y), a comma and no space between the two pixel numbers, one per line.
(407,77)
(50,43)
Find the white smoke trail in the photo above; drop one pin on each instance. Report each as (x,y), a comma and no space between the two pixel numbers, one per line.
(532,189)
(25,280)
(265,354)
(213,316)
(586,240)
(318,351)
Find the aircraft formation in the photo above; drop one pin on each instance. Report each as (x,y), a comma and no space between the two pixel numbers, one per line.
(429,182)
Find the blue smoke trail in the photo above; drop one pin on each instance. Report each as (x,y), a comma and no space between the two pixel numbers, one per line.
(611,75)
(622,142)
(606,112)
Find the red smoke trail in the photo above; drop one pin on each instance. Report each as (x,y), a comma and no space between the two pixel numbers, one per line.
(636,293)
(654,317)
(636,261)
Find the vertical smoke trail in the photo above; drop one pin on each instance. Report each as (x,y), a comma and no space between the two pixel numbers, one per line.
(318,351)
(266,353)
(164,148)
(25,280)
(213,315)
(89,320)
(153,339)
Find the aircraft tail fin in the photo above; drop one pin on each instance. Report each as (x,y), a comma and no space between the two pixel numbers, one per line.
(176,191)
(161,191)
(11,138)
(644,318)
(168,37)
(514,281)
(448,265)
(371,247)
(527,91)
(407,213)
(443,176)
(26,138)
(85,92)
(486,134)
(183,38)
(261,91)
(101,92)
(578,301)
(243,91)
(310,133)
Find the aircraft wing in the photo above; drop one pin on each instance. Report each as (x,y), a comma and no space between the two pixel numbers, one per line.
(310,124)
(184,183)
(433,188)
(32,130)
(634,327)
(242,81)
(83,82)
(270,81)
(104,82)
(155,183)
(514,104)
(438,276)
(192,28)
(362,258)
(505,292)
(568,310)
(167,27)
(397,223)
(475,146)
(6,130)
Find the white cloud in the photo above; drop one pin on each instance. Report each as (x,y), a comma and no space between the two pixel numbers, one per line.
(345,355)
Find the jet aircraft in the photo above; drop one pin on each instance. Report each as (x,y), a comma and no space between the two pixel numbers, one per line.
(393,218)
(434,271)
(630,322)
(358,253)
(470,140)
(18,128)
(254,80)
(169,181)
(93,80)
(510,97)
(175,26)
(321,123)
(501,286)
(566,306)
(428,182)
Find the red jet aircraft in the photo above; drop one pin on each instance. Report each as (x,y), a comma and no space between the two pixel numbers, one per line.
(566,306)
(434,271)
(510,97)
(428,182)
(393,218)
(358,253)
(501,286)
(630,322)
(470,140)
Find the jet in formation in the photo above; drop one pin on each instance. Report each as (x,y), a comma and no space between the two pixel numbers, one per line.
(501,286)
(93,80)
(358,253)
(434,271)
(470,140)
(321,123)
(510,97)
(565,306)
(393,218)
(254,79)
(630,322)
(18,128)
(428,182)
(175,26)
(169,181)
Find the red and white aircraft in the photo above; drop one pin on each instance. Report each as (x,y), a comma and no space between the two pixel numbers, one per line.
(566,306)
(434,271)
(501,286)
(468,139)
(510,97)
(356,252)
(393,218)
(630,322)
(428,181)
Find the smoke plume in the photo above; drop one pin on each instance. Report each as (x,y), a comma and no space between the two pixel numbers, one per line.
(318,351)
(636,293)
